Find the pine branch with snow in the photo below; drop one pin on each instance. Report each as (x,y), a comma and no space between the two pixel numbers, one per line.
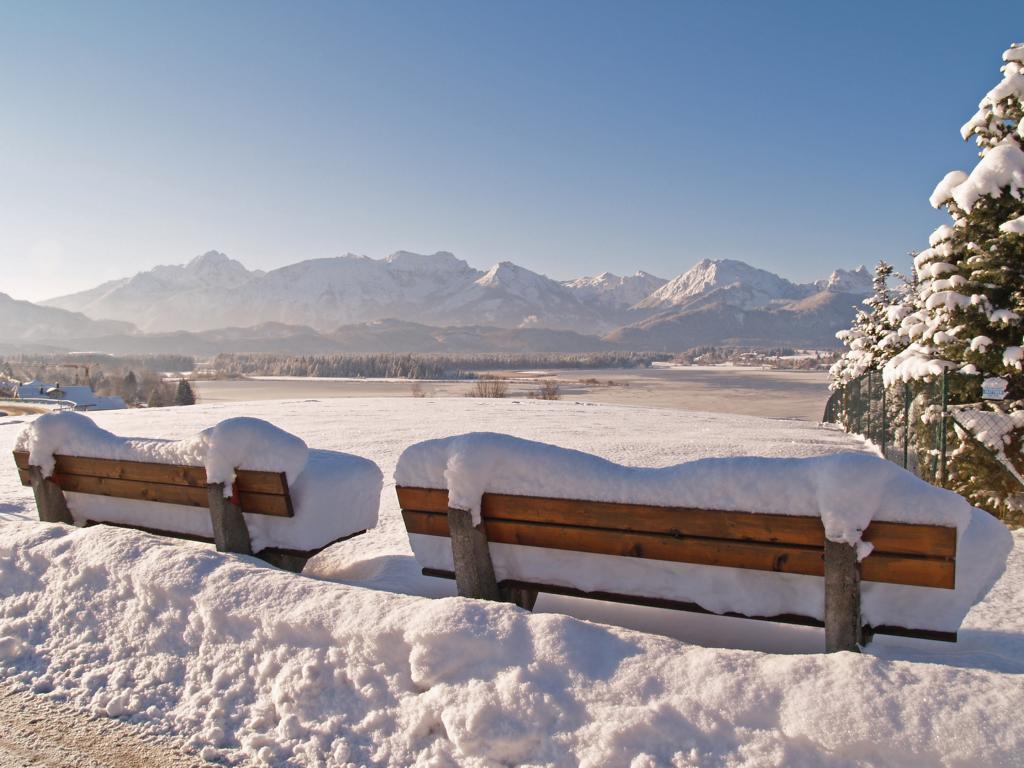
(971,277)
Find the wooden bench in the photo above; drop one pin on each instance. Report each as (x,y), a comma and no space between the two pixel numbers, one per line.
(256,493)
(916,555)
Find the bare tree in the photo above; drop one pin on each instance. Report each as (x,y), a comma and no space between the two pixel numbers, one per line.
(489,386)
(548,390)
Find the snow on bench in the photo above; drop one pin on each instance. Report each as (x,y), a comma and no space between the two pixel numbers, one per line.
(751,537)
(266,492)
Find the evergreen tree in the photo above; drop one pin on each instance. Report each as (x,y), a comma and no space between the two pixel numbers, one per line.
(130,387)
(873,337)
(184,395)
(157,398)
(971,278)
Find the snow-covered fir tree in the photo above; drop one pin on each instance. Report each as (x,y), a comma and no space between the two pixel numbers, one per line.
(971,277)
(873,337)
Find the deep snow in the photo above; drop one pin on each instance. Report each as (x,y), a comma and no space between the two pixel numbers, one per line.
(256,665)
(333,494)
(831,487)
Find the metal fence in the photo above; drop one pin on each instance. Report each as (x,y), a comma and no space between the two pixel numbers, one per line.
(942,431)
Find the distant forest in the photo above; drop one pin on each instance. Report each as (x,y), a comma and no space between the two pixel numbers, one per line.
(409,366)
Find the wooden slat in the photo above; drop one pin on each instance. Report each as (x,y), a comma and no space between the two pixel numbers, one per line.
(760,556)
(253,503)
(247,480)
(678,605)
(894,538)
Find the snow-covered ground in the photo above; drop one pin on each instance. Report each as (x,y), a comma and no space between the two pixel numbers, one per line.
(254,665)
(735,389)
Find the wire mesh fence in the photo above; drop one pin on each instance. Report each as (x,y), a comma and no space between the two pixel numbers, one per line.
(943,432)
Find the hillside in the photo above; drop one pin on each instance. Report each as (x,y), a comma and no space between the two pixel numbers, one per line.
(807,322)
(353,302)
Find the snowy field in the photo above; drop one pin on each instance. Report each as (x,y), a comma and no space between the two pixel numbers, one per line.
(251,665)
(720,388)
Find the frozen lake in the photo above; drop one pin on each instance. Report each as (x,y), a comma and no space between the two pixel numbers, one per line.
(717,389)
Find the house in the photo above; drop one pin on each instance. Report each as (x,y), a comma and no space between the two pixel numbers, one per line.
(81,395)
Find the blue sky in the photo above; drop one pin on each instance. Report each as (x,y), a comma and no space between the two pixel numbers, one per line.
(570,137)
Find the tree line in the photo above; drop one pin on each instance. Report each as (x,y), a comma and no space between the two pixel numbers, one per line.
(418,366)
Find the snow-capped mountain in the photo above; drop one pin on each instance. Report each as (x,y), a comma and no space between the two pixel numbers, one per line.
(167,297)
(613,291)
(511,296)
(23,321)
(214,292)
(327,293)
(736,283)
(847,281)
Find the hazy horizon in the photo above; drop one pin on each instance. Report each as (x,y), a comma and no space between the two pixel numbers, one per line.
(570,139)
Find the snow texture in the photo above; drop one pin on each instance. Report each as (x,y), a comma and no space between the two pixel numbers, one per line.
(1013,226)
(1002,167)
(941,233)
(317,480)
(257,667)
(912,364)
(943,191)
(830,487)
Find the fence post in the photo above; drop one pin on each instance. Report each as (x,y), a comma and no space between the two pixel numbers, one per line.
(885,425)
(871,398)
(855,383)
(942,426)
(906,424)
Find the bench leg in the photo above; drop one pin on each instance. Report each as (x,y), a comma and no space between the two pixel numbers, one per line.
(230,533)
(524,598)
(50,501)
(842,598)
(284,561)
(474,570)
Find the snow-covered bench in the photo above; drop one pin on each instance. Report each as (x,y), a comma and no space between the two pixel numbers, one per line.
(747,537)
(266,493)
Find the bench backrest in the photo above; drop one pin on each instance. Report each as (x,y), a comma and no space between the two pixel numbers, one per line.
(917,555)
(258,493)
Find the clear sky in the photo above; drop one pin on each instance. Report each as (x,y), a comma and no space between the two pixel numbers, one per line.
(569,137)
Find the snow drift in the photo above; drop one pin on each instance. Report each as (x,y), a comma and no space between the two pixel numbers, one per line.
(254,666)
(334,494)
(846,490)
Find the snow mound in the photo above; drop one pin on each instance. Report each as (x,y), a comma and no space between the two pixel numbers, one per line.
(333,494)
(846,490)
(473,464)
(238,443)
(252,666)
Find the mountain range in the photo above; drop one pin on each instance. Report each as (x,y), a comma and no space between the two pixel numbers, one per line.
(435,302)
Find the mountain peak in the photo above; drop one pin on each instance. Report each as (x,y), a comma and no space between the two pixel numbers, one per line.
(441,261)
(505,271)
(208,260)
(848,281)
(758,286)
(614,292)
